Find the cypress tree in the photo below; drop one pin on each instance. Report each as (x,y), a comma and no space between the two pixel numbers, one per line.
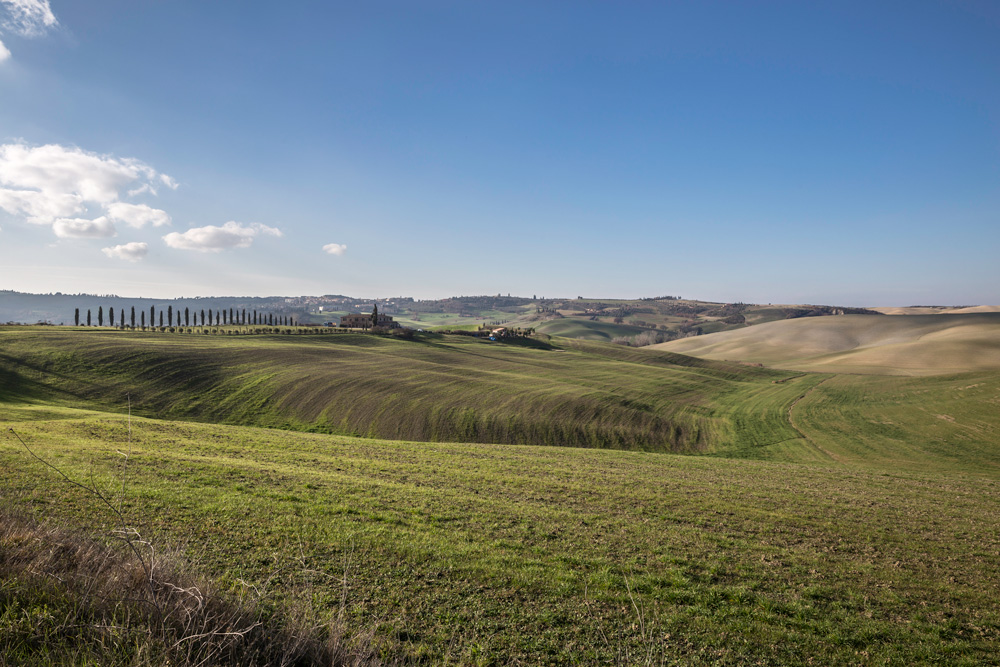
(374,315)
(230,315)
(187,322)
(111,317)
(100,316)
(133,317)
(243,318)
(209,317)
(202,317)
(152,316)
(76,317)
(170,316)
(161,319)
(142,319)
(88,317)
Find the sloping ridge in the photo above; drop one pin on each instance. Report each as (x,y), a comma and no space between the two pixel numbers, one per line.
(890,344)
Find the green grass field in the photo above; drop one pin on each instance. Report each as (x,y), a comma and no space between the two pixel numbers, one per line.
(451,388)
(586,329)
(814,518)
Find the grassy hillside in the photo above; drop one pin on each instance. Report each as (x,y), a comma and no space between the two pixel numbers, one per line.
(436,388)
(455,388)
(897,344)
(485,554)
(586,329)
(831,518)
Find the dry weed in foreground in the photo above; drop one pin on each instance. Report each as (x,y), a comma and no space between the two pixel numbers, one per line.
(66,598)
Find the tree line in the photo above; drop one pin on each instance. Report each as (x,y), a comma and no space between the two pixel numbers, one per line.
(189,318)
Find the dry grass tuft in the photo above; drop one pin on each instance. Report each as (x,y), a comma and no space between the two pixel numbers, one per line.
(68,599)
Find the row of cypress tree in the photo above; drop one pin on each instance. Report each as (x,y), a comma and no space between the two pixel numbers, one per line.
(220,317)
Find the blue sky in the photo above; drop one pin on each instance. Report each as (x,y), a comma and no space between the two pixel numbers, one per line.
(834,152)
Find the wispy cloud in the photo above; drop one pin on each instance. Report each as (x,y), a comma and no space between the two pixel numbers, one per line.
(30,18)
(214,239)
(52,183)
(130,252)
(335,249)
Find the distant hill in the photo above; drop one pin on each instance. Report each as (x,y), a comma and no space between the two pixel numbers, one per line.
(937,310)
(634,322)
(895,344)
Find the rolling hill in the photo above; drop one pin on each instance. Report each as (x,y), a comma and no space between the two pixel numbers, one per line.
(894,345)
(434,388)
(815,517)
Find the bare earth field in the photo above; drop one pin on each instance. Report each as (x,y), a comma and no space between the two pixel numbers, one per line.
(936,310)
(890,345)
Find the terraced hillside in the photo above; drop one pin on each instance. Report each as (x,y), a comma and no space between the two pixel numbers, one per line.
(888,344)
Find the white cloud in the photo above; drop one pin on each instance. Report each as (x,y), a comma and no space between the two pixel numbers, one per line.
(58,170)
(130,252)
(45,184)
(335,249)
(39,207)
(82,228)
(137,215)
(213,239)
(4,52)
(30,18)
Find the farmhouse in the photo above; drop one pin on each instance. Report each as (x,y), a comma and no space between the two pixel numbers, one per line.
(364,321)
